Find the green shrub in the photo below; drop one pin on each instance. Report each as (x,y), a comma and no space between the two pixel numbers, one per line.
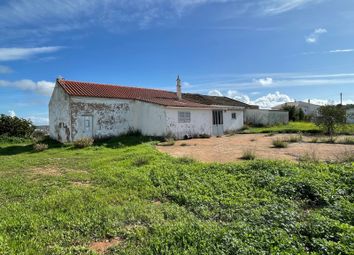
(278,143)
(346,140)
(83,142)
(38,136)
(309,156)
(141,161)
(38,147)
(185,160)
(248,154)
(294,139)
(14,126)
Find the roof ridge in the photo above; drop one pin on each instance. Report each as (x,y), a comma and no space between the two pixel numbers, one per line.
(116,85)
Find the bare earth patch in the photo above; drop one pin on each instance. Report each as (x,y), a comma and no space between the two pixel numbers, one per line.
(47,170)
(103,246)
(231,148)
(81,183)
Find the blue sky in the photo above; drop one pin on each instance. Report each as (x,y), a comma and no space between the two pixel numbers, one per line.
(260,51)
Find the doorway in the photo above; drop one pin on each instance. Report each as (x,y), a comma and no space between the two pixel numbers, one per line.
(88,126)
(218,122)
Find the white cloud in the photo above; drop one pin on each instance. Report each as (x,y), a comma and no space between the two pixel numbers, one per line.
(238,96)
(315,35)
(266,102)
(272,99)
(5,69)
(341,51)
(215,92)
(265,81)
(9,54)
(40,87)
(12,113)
(38,17)
(273,7)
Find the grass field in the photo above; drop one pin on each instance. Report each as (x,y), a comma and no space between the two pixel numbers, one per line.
(61,200)
(296,127)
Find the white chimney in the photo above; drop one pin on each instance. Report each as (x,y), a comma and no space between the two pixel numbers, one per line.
(179,88)
(60,78)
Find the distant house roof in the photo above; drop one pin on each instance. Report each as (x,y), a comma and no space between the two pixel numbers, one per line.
(155,96)
(297,104)
(216,100)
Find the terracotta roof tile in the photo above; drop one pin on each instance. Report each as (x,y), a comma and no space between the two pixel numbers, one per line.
(155,96)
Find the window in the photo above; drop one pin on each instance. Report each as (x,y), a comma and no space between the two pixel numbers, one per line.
(218,118)
(233,116)
(184,117)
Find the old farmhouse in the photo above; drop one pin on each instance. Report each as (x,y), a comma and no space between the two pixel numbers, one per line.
(82,109)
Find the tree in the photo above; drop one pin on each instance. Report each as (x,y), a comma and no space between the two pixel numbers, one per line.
(295,113)
(14,126)
(330,117)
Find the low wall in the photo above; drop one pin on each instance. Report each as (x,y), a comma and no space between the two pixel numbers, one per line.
(266,117)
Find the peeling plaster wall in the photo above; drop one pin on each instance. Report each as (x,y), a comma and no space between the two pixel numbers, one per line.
(110,117)
(201,122)
(59,115)
(233,124)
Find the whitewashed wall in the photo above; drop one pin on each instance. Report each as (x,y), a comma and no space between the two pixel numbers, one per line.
(201,122)
(266,117)
(150,119)
(59,112)
(233,124)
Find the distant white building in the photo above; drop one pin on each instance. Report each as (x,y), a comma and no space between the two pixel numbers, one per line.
(350,114)
(308,108)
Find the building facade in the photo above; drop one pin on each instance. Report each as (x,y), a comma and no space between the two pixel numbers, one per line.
(81,109)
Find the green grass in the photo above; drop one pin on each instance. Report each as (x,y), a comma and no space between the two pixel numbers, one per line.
(297,127)
(60,200)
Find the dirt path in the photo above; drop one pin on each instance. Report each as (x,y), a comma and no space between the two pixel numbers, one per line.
(229,149)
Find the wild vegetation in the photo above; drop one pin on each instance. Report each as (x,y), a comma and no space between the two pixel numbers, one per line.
(15,127)
(61,200)
(298,127)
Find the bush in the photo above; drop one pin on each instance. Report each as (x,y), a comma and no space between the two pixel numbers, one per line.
(346,140)
(38,136)
(83,142)
(295,113)
(277,143)
(309,156)
(249,154)
(330,117)
(294,139)
(141,161)
(38,147)
(14,126)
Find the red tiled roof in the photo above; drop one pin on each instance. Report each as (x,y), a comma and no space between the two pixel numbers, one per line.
(154,96)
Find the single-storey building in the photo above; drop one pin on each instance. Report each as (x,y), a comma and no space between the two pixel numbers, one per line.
(307,107)
(83,109)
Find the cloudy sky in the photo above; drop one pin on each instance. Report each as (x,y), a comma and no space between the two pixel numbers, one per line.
(261,51)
